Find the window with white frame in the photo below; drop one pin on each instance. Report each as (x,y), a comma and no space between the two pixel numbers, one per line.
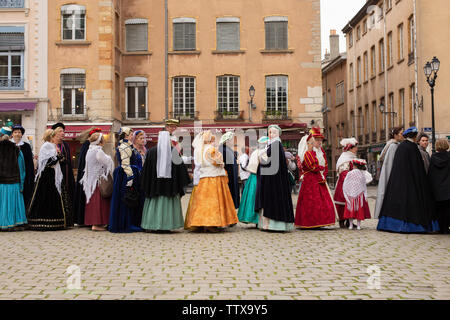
(401,109)
(373,57)
(351,76)
(340,92)
(73,92)
(277,93)
(228,93)
(183,96)
(136,34)
(228,34)
(400,42)
(136,97)
(276,33)
(184,34)
(12,47)
(73,22)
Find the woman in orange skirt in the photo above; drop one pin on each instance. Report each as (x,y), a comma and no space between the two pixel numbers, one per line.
(212,206)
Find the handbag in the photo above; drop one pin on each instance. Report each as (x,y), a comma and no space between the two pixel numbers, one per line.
(131,198)
(106,186)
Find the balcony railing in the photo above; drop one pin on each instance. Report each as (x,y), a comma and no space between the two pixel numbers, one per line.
(59,115)
(277,115)
(12,4)
(228,115)
(186,116)
(11,84)
(133,116)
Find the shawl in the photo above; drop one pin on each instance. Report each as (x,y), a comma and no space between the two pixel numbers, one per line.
(355,189)
(346,156)
(47,152)
(164,156)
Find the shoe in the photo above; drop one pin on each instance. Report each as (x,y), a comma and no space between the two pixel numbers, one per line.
(358,228)
(351,227)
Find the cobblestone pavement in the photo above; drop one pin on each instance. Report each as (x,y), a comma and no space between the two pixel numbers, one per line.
(240,263)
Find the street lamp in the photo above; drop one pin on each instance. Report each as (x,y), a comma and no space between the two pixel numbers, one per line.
(382,108)
(431,69)
(251,93)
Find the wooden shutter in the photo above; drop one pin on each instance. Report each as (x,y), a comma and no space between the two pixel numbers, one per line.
(276,35)
(228,37)
(137,37)
(72,81)
(12,41)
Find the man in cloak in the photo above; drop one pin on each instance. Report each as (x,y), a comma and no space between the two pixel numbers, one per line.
(231,167)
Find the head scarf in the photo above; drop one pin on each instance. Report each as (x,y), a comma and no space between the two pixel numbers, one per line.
(96,142)
(303,146)
(6,130)
(164,156)
(133,139)
(348,143)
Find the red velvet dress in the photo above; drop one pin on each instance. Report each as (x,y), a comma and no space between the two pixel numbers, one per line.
(315,207)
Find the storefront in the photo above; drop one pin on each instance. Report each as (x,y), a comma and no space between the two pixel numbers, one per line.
(373,165)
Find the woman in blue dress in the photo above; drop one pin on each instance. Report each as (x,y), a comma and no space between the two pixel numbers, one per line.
(124,218)
(12,177)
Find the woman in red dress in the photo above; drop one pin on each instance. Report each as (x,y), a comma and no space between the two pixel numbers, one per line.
(315,207)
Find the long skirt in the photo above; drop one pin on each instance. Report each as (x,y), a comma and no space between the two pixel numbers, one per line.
(361,214)
(265,223)
(443,213)
(97,210)
(12,206)
(191,199)
(213,205)
(162,213)
(339,199)
(246,211)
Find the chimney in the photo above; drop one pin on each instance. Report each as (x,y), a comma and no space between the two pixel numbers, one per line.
(334,44)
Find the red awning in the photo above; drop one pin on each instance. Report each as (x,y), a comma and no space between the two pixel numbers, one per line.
(17,106)
(72,131)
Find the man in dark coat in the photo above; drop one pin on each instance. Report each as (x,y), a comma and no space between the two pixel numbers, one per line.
(231,167)
(17,135)
(408,205)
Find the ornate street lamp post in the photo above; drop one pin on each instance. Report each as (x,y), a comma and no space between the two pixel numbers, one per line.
(431,69)
(251,93)
(382,108)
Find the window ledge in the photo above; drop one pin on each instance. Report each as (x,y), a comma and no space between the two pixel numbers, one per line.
(137,53)
(228,51)
(373,77)
(351,90)
(366,82)
(400,61)
(73,43)
(381,73)
(277,51)
(25,10)
(20,91)
(390,67)
(340,104)
(358,86)
(193,52)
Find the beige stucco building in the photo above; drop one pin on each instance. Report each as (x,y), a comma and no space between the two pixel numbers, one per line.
(135,63)
(23,66)
(388,44)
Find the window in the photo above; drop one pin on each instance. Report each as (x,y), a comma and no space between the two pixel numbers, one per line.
(136,97)
(73,91)
(8,4)
(352,118)
(372,21)
(228,34)
(389,49)
(366,66)
(73,22)
(350,39)
(183,96)
(358,75)
(373,65)
(184,37)
(360,122)
(401,107)
(411,34)
(400,42)
(412,99)
(136,34)
(374,117)
(351,76)
(391,109)
(228,93)
(276,93)
(388,5)
(381,54)
(364,26)
(340,92)
(12,48)
(358,33)
(383,123)
(276,33)
(366,120)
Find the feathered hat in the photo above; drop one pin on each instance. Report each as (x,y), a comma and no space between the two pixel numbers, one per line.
(348,143)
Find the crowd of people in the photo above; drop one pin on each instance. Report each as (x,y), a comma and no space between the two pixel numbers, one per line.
(144,191)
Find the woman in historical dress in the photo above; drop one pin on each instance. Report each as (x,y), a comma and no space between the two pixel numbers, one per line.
(273,199)
(50,207)
(343,166)
(123,218)
(12,177)
(98,166)
(17,137)
(408,204)
(139,140)
(196,145)
(315,206)
(231,166)
(247,212)
(386,160)
(212,206)
(355,193)
(163,181)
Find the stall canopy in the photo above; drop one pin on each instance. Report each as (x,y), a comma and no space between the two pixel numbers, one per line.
(17,106)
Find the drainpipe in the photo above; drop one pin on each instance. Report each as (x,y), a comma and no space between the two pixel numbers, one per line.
(386,98)
(416,73)
(166,57)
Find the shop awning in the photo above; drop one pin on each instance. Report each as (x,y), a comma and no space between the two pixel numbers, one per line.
(17,106)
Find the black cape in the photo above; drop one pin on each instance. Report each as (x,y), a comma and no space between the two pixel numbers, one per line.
(273,191)
(9,165)
(232,169)
(28,185)
(439,175)
(152,186)
(408,195)
(79,202)
(66,168)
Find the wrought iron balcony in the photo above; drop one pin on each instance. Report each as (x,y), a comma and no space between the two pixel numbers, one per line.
(184,116)
(277,115)
(9,4)
(135,116)
(11,84)
(229,115)
(59,114)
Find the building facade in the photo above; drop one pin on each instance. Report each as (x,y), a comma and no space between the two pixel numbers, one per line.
(388,44)
(23,67)
(135,63)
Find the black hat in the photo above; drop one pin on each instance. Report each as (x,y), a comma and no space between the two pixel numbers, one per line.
(59,124)
(18,127)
